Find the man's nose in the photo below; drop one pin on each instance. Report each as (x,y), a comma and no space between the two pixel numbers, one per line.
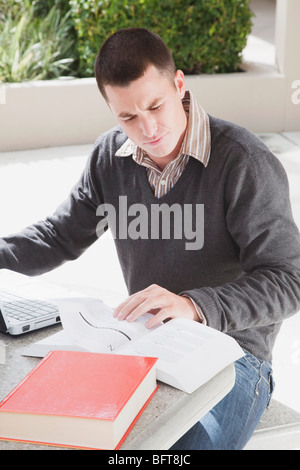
(148,126)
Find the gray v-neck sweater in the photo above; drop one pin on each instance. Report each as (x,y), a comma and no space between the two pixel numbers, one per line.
(245,272)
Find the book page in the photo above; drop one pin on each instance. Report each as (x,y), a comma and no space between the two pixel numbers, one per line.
(173,341)
(55,342)
(189,353)
(90,324)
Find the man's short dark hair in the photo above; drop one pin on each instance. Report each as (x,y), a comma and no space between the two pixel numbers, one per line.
(126,54)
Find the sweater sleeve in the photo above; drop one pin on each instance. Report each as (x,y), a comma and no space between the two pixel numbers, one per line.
(259,219)
(63,236)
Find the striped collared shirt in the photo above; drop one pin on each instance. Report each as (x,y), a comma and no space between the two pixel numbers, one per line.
(196,143)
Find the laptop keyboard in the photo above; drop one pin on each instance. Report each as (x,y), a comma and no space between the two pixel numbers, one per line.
(22,309)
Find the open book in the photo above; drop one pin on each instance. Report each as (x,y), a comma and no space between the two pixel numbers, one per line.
(189,353)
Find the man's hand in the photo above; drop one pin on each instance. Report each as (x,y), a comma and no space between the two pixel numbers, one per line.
(162,303)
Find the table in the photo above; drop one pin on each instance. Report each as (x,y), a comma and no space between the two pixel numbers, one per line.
(168,416)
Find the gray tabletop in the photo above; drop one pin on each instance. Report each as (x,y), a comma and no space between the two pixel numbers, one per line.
(169,414)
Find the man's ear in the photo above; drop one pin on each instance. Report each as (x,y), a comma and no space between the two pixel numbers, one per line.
(180,83)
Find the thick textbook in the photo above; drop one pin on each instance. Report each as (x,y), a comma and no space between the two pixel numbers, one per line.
(79,399)
(189,353)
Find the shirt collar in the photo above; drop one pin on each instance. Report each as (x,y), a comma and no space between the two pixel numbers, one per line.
(197,140)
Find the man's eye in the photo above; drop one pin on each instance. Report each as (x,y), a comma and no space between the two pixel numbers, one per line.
(156,108)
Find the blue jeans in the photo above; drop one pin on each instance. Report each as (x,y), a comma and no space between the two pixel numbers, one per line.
(231,423)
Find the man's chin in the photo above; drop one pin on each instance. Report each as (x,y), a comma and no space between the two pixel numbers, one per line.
(162,151)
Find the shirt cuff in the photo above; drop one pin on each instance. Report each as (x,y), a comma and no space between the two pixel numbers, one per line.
(199,312)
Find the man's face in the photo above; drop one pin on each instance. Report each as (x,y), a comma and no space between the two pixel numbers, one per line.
(151,114)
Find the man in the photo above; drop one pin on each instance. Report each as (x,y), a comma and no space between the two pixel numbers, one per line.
(241,272)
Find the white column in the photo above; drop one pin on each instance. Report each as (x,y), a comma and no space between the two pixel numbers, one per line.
(288,58)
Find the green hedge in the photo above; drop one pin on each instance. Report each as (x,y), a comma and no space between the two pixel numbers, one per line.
(43,39)
(35,44)
(206,36)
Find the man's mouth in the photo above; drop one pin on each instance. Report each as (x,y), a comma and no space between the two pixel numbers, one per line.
(155,141)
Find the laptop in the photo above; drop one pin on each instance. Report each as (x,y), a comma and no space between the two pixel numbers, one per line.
(19,314)
(28,304)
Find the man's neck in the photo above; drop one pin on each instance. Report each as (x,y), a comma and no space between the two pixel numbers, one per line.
(162,162)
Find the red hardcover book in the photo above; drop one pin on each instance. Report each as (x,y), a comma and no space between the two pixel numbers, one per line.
(79,399)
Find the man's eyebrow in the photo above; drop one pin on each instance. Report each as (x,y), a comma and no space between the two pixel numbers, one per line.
(153,103)
(125,115)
